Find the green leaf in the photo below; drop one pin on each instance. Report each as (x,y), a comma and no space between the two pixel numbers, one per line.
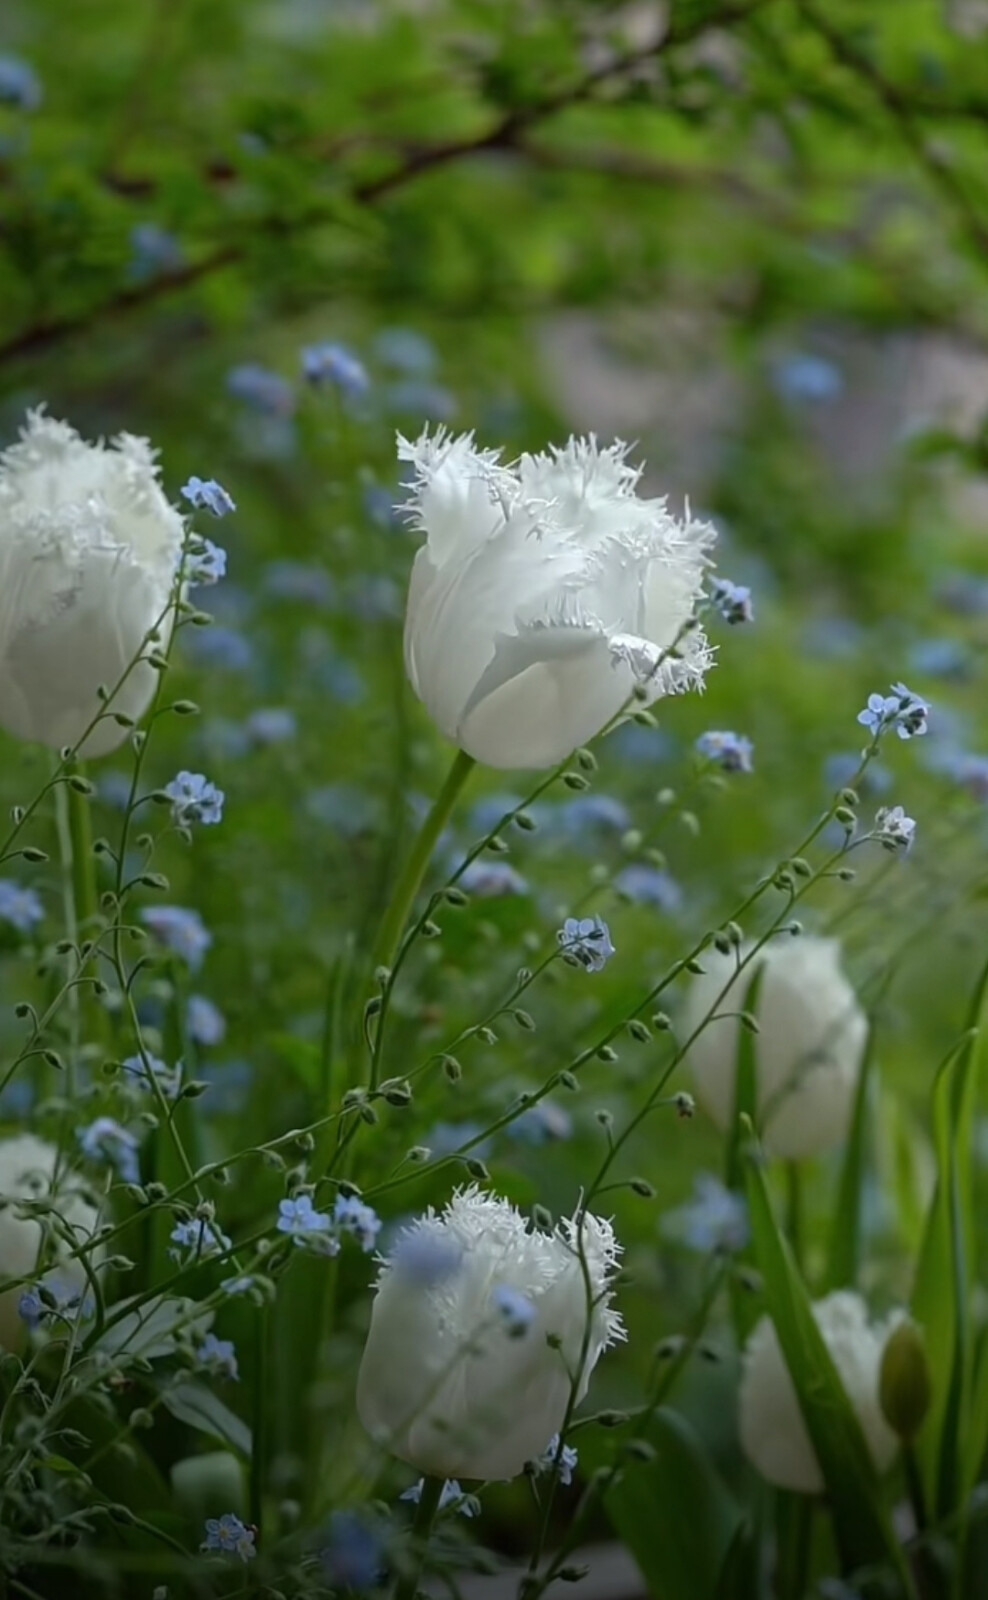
(61,1464)
(196,1405)
(740,1575)
(674,1514)
(861,1524)
(945,1272)
(976,1434)
(150,1330)
(845,1237)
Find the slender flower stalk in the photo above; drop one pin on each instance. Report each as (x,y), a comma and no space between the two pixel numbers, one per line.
(426,1511)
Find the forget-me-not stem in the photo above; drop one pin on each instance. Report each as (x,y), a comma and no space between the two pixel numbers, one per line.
(407,1587)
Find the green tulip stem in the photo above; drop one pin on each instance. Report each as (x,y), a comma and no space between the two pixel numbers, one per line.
(794,1183)
(914,1484)
(407,1587)
(393,926)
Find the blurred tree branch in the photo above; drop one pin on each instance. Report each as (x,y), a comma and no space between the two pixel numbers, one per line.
(683,27)
(511,134)
(902,112)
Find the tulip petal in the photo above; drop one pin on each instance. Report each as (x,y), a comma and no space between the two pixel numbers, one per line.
(546,691)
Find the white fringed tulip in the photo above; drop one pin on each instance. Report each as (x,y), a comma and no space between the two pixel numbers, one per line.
(89,547)
(27,1169)
(476,1336)
(773,1433)
(543,594)
(811,1034)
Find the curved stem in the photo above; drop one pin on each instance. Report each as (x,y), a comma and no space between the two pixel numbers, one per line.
(407,1587)
(391,929)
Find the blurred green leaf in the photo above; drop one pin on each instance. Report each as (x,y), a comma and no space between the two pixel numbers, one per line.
(745,1084)
(674,1513)
(863,1530)
(200,1408)
(845,1236)
(945,1273)
(150,1329)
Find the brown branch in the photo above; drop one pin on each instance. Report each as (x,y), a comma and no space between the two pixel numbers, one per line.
(504,135)
(628,165)
(39,335)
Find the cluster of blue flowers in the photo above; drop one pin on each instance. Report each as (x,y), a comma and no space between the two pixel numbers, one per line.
(334,363)
(563,1462)
(20,907)
(227,1535)
(451,1498)
(217,1357)
(181,931)
(195,1239)
(732,600)
(714,1221)
(354,1557)
(425,1257)
(194,799)
(208,495)
(56,1300)
(515,1309)
(902,710)
(320,1230)
(204,1021)
(107,1142)
(147,1070)
(730,751)
(20,85)
(894,830)
(587,941)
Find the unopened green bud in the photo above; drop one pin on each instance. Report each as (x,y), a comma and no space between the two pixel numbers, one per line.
(905,1384)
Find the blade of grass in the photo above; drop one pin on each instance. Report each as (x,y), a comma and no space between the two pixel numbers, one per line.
(845,1238)
(861,1523)
(945,1272)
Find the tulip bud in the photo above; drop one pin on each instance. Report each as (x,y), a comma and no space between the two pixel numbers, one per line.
(91,547)
(905,1383)
(811,1033)
(774,1436)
